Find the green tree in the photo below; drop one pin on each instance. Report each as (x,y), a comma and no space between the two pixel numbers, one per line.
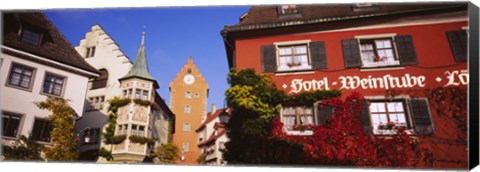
(167,153)
(64,139)
(24,149)
(256,101)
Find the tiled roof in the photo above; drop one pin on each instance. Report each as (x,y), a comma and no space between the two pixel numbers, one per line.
(214,136)
(54,46)
(211,116)
(261,17)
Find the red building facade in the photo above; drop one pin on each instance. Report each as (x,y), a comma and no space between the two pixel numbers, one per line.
(394,55)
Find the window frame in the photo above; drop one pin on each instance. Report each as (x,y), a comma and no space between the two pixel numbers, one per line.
(294,67)
(90,51)
(64,83)
(32,76)
(188,94)
(187,145)
(406,110)
(32,31)
(96,103)
(4,127)
(188,109)
(186,127)
(297,116)
(372,38)
(45,123)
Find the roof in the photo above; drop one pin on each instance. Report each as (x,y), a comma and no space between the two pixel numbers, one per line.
(53,44)
(259,17)
(140,66)
(261,21)
(220,131)
(212,115)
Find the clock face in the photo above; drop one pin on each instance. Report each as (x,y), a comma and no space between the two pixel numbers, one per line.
(188,79)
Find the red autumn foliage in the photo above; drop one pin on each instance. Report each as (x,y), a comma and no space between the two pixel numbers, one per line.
(343,141)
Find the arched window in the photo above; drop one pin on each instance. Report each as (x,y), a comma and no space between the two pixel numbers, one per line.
(101,81)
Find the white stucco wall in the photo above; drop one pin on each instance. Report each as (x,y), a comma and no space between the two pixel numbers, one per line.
(22,101)
(107,56)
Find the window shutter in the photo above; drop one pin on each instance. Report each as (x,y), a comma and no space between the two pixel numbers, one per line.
(458,44)
(422,121)
(406,50)
(365,118)
(351,53)
(269,58)
(318,55)
(323,113)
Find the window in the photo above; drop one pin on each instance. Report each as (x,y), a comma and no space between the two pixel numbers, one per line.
(122,129)
(294,116)
(20,76)
(144,95)
(53,84)
(137,130)
(41,130)
(96,103)
(101,81)
(185,147)
(31,37)
(138,93)
(90,51)
(188,95)
(91,136)
(127,93)
(187,108)
(288,9)
(186,126)
(388,115)
(293,58)
(363,7)
(196,95)
(10,124)
(378,52)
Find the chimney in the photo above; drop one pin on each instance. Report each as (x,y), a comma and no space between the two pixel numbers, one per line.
(214,108)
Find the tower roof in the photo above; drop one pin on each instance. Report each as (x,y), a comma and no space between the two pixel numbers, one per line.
(140,66)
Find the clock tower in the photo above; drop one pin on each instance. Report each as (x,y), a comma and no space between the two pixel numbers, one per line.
(188,101)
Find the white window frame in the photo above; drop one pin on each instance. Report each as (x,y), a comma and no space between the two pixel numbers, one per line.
(297,116)
(188,109)
(185,147)
(406,106)
(382,61)
(186,127)
(188,94)
(279,45)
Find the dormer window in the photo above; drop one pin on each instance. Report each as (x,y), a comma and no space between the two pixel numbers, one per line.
(362,7)
(31,37)
(289,9)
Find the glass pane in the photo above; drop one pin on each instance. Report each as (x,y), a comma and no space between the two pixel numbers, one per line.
(27,72)
(59,81)
(373,107)
(366,47)
(381,107)
(14,79)
(401,118)
(391,106)
(288,121)
(375,120)
(306,119)
(383,118)
(285,51)
(300,50)
(399,107)
(393,118)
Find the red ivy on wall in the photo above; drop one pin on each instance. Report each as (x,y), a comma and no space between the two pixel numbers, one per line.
(342,140)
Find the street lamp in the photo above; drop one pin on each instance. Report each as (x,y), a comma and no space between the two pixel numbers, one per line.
(224,117)
(86,136)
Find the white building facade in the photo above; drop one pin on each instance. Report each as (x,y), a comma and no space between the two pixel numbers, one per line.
(37,63)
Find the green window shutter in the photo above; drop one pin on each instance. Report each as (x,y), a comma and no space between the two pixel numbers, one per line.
(406,50)
(269,58)
(351,53)
(458,44)
(421,117)
(318,55)
(365,118)
(322,112)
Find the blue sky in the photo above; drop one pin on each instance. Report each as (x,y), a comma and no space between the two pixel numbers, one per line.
(173,35)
